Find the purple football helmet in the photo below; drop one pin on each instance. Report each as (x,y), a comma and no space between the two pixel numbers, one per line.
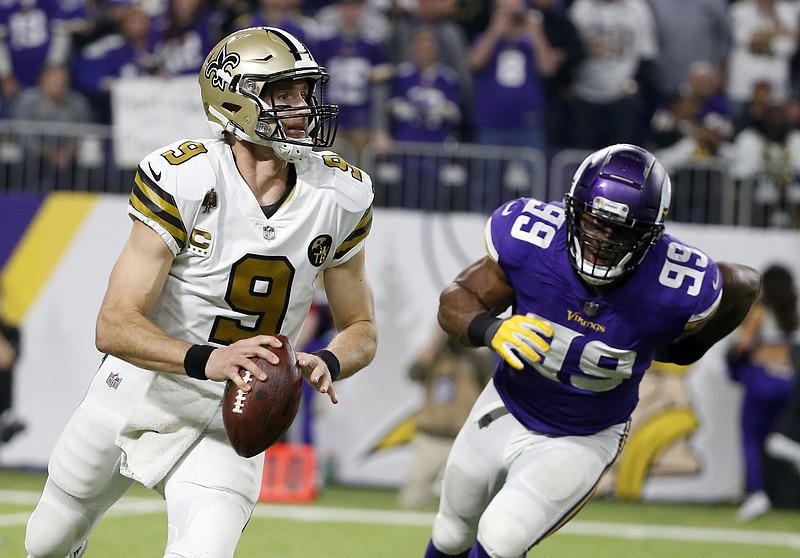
(616,207)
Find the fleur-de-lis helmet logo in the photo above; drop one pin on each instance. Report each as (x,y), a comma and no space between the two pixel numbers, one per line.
(220,70)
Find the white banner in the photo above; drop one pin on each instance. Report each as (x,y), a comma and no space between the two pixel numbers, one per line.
(148,113)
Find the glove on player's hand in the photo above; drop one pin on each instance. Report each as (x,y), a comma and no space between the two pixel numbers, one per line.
(520,337)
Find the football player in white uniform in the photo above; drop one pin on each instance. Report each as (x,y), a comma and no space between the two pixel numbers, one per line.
(229,236)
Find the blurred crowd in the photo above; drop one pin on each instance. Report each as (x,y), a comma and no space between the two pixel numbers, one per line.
(689,79)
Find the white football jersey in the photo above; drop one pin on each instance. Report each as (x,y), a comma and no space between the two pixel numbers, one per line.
(236,272)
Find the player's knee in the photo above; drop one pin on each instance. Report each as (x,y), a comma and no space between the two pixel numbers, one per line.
(464,488)
(457,522)
(204,522)
(54,531)
(451,538)
(84,458)
(180,553)
(504,535)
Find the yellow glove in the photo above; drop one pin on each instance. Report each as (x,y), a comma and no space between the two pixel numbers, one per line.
(520,336)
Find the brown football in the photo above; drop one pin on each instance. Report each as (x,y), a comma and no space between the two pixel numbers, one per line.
(257,419)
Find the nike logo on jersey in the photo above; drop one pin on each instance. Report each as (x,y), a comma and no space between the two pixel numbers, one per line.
(156,175)
(715,284)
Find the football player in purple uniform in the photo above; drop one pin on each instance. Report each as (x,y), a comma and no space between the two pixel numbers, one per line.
(596,292)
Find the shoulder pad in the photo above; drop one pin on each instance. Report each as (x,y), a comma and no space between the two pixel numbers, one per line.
(169,185)
(521,223)
(186,166)
(351,185)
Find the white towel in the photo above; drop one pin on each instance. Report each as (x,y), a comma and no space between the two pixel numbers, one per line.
(168,420)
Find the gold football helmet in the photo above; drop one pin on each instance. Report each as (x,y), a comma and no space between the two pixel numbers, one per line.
(236,84)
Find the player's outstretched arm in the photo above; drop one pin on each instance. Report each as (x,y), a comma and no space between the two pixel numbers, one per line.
(741,286)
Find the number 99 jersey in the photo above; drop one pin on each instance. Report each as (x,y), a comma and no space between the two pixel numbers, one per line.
(238,273)
(603,344)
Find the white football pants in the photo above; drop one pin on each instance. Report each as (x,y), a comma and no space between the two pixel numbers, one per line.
(508,487)
(210,493)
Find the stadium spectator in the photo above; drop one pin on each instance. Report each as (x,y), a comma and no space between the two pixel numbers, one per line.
(784,443)
(765,159)
(507,61)
(54,102)
(452,376)
(688,31)
(126,54)
(621,41)
(424,98)
(78,20)
(10,346)
(760,359)
(689,134)
(357,56)
(764,40)
(230,11)
(33,35)
(472,16)
(693,125)
(453,43)
(283,14)
(371,19)
(568,51)
(188,33)
(423,107)
(753,111)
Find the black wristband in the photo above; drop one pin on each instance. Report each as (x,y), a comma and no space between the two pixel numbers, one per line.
(480,327)
(682,352)
(194,363)
(334,367)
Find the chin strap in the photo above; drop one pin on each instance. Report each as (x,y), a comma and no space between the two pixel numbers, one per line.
(290,152)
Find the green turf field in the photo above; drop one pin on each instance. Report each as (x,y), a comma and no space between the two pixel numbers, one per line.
(348,522)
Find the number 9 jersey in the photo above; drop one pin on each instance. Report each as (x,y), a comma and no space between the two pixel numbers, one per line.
(237,272)
(602,343)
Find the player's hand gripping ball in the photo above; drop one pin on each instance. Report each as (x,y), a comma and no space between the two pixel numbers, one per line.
(257,419)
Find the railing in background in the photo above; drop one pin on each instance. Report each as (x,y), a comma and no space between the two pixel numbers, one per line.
(41,157)
(701,192)
(463,177)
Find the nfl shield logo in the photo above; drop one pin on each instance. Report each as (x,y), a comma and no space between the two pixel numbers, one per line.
(590,308)
(113,380)
(269,232)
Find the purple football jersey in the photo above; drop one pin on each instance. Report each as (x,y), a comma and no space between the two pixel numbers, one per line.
(182,52)
(603,344)
(352,62)
(428,92)
(508,92)
(29,28)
